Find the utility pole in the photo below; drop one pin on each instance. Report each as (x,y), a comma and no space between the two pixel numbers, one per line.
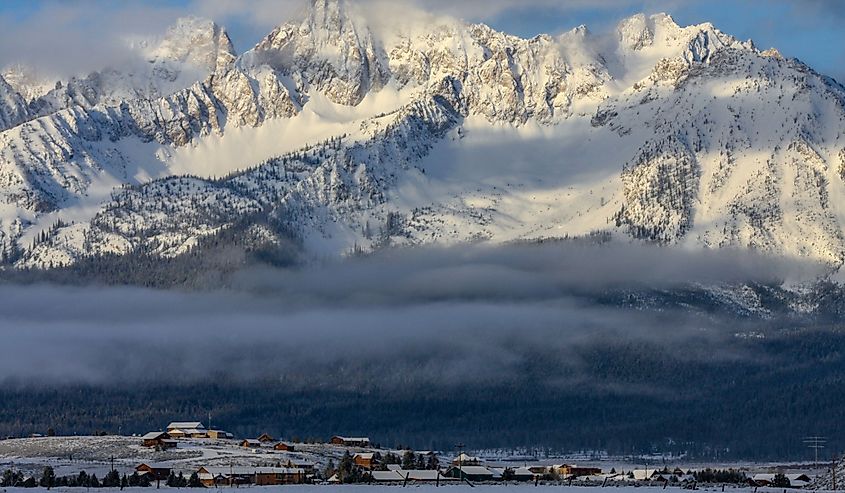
(816,443)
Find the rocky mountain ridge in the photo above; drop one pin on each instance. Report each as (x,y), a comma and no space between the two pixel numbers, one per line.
(451,132)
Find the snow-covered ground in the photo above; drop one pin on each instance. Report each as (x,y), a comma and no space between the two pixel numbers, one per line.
(432,488)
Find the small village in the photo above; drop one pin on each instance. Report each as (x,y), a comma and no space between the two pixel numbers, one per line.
(187,454)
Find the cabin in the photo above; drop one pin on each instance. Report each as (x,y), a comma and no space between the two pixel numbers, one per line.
(350,441)
(158,439)
(367,461)
(157,472)
(470,473)
(466,460)
(266,438)
(283,447)
(250,443)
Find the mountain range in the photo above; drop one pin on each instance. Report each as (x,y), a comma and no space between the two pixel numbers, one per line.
(347,136)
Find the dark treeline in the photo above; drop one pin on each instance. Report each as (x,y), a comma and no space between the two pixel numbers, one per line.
(628,398)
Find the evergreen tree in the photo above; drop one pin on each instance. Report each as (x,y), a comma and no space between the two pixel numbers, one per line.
(408,461)
(48,478)
(194,481)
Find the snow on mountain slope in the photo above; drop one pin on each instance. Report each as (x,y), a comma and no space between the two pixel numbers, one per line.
(13,109)
(446,132)
(189,51)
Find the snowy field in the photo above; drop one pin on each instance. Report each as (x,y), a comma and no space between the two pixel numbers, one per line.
(498,488)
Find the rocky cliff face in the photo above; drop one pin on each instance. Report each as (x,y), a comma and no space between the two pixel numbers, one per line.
(451,132)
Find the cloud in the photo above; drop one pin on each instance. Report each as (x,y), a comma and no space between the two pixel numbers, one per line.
(424,315)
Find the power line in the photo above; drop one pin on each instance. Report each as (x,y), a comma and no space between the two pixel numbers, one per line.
(816,443)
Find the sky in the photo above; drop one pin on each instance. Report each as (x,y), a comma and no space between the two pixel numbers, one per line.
(64,33)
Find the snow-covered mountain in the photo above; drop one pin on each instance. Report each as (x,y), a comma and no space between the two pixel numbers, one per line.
(436,131)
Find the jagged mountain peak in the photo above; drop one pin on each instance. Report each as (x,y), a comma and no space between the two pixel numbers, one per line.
(196,41)
(670,118)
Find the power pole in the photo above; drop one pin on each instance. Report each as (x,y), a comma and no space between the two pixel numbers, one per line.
(816,443)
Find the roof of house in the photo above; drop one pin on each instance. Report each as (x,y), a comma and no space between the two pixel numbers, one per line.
(154,434)
(186,424)
(252,441)
(154,465)
(367,456)
(790,477)
(352,439)
(475,470)
(466,458)
(523,471)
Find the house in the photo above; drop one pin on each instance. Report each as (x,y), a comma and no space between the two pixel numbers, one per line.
(367,461)
(185,425)
(271,476)
(159,439)
(177,433)
(283,447)
(229,476)
(643,474)
(157,472)
(266,438)
(261,476)
(219,434)
(350,441)
(300,463)
(466,460)
(569,471)
(196,433)
(250,443)
(673,477)
(795,480)
(470,473)
(524,474)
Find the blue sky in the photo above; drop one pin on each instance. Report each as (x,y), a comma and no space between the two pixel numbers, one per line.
(79,31)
